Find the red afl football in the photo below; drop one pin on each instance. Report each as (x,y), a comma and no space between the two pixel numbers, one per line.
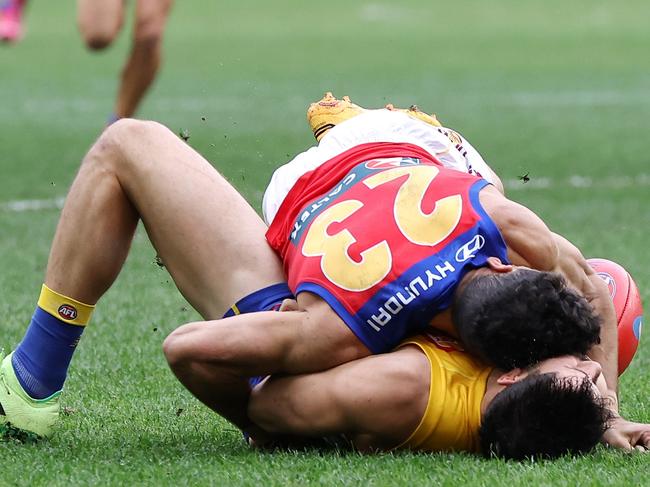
(628,306)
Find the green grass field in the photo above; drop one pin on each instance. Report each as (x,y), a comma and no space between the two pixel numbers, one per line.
(558,90)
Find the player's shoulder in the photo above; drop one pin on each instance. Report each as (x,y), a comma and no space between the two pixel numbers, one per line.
(529,240)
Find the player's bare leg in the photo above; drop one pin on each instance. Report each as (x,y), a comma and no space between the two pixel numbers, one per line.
(211,240)
(99,21)
(212,243)
(144,59)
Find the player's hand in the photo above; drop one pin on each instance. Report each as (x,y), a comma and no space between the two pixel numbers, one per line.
(627,435)
(262,440)
(258,438)
(289,305)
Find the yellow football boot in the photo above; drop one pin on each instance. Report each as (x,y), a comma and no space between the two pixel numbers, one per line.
(329,112)
(415,112)
(20,411)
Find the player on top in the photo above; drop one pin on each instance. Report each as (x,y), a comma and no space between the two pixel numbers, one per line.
(212,243)
(414,197)
(342,128)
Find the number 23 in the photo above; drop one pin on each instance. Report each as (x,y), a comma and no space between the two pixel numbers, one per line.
(416,226)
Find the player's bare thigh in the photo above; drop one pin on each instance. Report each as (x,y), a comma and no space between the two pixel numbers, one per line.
(150,18)
(210,239)
(99,21)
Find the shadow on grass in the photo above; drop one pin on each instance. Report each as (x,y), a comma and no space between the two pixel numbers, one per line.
(10,434)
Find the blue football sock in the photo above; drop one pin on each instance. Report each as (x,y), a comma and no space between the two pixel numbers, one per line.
(41,360)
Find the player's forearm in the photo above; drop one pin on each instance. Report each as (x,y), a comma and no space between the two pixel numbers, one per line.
(265,343)
(581,276)
(295,405)
(606,352)
(214,359)
(247,345)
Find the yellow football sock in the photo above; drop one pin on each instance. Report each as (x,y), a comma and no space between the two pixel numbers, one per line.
(64,308)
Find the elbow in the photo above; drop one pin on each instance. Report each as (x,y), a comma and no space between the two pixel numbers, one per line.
(184,346)
(175,350)
(202,343)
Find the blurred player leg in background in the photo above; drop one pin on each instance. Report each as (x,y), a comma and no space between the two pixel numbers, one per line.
(11,12)
(99,23)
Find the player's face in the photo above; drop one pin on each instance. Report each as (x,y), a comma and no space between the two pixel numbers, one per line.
(570,367)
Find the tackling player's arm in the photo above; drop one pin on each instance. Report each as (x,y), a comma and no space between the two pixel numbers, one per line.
(532,244)
(572,264)
(268,342)
(213,359)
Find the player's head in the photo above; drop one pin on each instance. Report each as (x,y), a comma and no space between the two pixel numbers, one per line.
(517,318)
(553,409)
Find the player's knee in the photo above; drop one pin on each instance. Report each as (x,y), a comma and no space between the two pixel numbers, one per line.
(126,130)
(104,152)
(113,139)
(121,129)
(149,25)
(98,32)
(97,42)
(128,135)
(96,36)
(148,40)
(111,154)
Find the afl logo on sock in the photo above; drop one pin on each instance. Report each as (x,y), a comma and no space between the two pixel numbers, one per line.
(67,312)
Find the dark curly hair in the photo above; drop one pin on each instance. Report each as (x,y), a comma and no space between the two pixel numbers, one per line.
(518,318)
(542,416)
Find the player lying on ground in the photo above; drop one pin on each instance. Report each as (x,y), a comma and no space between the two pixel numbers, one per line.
(212,243)
(429,395)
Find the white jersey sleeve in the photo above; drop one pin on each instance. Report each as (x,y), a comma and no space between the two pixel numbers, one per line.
(446,145)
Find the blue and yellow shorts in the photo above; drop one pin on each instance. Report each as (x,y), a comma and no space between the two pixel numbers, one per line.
(267,299)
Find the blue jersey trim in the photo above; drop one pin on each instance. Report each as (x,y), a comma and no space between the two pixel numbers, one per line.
(266,299)
(489,224)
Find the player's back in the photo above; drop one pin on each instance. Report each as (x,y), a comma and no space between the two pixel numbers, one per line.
(384,233)
(458,383)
